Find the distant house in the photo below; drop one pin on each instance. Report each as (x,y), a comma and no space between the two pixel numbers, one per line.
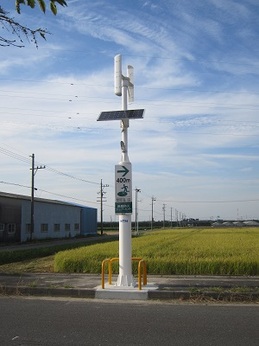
(52,219)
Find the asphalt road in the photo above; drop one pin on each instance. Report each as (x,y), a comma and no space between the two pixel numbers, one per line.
(31,321)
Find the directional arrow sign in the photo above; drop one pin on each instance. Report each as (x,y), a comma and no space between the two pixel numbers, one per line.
(123,189)
(124,170)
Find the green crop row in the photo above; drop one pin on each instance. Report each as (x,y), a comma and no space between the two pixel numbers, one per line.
(231,251)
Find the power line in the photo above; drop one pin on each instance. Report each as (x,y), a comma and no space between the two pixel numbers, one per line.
(201,201)
(27,160)
(185,90)
(15,184)
(69,197)
(147,101)
(73,198)
(207,201)
(48,192)
(14,155)
(70,176)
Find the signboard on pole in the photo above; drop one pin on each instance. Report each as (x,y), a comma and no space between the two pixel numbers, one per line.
(123,189)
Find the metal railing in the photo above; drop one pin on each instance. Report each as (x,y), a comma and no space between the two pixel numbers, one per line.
(142,270)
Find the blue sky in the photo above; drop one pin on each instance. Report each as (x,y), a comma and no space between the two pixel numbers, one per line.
(196,69)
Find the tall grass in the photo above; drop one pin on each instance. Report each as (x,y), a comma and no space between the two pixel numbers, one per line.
(230,251)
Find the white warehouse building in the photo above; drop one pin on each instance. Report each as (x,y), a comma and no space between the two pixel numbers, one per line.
(52,219)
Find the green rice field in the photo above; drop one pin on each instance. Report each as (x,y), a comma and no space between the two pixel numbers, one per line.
(192,251)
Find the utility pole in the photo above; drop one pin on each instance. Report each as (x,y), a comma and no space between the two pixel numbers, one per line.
(136,210)
(180,218)
(153,199)
(176,217)
(164,215)
(33,173)
(171,217)
(102,193)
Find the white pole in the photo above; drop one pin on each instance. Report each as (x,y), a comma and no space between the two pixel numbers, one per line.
(125,277)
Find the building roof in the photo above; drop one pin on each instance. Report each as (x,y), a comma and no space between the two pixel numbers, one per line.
(42,200)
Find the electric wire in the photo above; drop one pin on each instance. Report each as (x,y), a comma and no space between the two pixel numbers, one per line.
(28,161)
(48,192)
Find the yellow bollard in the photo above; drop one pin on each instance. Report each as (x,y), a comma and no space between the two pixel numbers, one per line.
(141,266)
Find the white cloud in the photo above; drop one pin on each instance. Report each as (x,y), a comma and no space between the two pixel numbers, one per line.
(198,138)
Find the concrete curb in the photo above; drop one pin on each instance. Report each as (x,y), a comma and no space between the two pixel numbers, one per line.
(204,295)
(192,288)
(92,293)
(47,292)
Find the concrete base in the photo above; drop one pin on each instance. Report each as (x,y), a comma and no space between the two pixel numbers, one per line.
(123,293)
(125,281)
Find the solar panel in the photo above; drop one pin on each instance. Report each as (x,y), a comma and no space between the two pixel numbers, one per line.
(119,115)
(135,113)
